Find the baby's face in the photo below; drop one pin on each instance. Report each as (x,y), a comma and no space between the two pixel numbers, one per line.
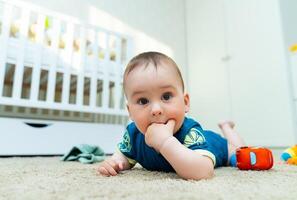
(155,96)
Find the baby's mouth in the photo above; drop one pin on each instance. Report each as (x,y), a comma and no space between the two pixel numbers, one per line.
(159,122)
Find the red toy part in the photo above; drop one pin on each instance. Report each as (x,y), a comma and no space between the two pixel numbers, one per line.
(254,158)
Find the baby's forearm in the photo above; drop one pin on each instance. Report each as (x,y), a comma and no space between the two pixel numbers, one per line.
(187,163)
(120,157)
(114,164)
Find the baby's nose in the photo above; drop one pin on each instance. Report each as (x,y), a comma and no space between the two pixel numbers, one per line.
(156,109)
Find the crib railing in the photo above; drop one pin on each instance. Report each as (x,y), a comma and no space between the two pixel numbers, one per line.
(53,61)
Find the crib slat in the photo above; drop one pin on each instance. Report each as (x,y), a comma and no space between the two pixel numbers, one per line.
(105,92)
(3,42)
(80,78)
(37,58)
(67,59)
(53,63)
(118,73)
(66,86)
(93,89)
(17,86)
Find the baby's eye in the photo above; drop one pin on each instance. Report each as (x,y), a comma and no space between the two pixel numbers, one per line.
(142,101)
(167,96)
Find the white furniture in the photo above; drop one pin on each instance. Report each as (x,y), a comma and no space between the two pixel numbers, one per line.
(46,137)
(52,61)
(238,60)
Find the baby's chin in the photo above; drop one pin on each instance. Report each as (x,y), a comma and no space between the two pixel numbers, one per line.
(177,126)
(176,129)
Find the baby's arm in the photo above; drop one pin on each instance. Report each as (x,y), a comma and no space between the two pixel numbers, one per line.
(113,165)
(187,163)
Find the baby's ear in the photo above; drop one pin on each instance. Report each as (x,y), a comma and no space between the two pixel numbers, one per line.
(127,106)
(187,102)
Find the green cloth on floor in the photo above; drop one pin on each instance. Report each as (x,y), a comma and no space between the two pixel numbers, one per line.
(84,153)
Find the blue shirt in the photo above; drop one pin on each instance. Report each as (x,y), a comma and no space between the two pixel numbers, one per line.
(191,135)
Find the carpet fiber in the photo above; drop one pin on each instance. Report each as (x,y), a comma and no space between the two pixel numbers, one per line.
(49,178)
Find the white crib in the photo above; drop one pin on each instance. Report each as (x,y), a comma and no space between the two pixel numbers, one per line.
(54,65)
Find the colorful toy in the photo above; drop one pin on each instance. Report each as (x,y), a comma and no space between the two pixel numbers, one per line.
(15,28)
(293,48)
(292,161)
(290,155)
(32,32)
(254,158)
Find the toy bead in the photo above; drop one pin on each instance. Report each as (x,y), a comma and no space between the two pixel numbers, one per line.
(289,153)
(233,161)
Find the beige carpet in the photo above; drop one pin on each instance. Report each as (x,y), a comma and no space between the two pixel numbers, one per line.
(48,178)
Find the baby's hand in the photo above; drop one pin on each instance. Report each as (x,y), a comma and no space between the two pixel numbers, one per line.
(157,134)
(111,167)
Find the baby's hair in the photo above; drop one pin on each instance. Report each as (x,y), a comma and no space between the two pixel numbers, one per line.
(151,57)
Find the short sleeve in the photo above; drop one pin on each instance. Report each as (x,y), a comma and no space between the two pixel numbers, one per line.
(196,141)
(125,147)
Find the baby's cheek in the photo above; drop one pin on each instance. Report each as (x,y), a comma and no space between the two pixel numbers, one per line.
(179,120)
(143,127)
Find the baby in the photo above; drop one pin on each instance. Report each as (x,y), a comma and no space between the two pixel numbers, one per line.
(161,137)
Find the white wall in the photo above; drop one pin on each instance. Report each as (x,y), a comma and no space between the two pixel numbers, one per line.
(289,17)
(238,68)
(153,24)
(209,89)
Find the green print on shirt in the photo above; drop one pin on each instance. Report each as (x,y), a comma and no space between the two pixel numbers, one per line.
(194,137)
(125,145)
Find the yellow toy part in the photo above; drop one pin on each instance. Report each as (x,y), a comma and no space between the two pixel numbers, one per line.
(293,48)
(292,161)
(47,23)
(76,44)
(15,29)
(32,32)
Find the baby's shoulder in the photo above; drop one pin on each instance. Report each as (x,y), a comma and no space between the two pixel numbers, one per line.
(189,124)
(132,129)
(133,133)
